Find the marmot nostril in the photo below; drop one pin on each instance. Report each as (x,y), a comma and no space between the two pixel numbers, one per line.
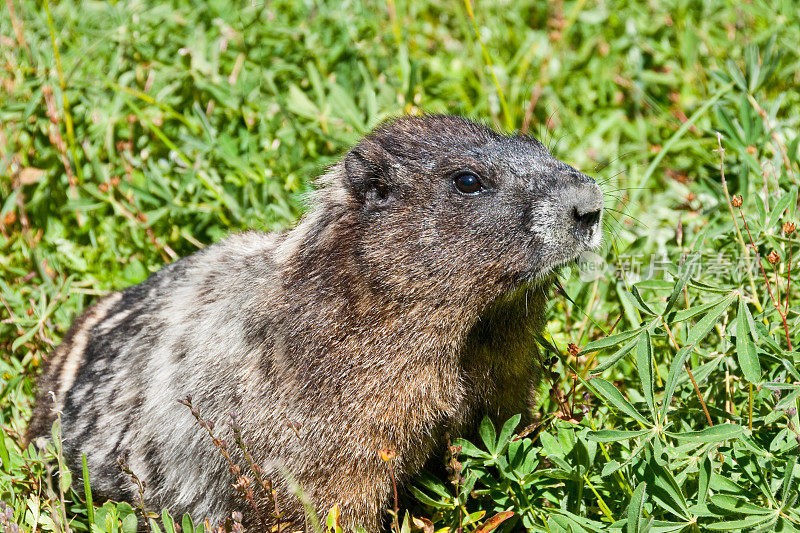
(583,203)
(587,217)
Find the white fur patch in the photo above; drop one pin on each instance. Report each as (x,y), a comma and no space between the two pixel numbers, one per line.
(74,357)
(113,321)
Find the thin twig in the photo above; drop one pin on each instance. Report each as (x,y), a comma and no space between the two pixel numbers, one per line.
(739,237)
(600,502)
(536,92)
(788,272)
(691,375)
(243,483)
(766,280)
(125,468)
(699,395)
(615,324)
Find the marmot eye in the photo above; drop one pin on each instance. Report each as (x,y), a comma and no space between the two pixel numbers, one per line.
(468,183)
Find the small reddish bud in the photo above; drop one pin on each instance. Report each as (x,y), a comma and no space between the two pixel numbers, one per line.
(423,524)
(103,187)
(751,150)
(773,257)
(573,349)
(242,483)
(737,200)
(789,227)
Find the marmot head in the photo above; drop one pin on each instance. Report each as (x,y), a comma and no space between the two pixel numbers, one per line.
(446,209)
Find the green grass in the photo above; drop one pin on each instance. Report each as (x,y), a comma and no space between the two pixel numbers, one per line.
(132,134)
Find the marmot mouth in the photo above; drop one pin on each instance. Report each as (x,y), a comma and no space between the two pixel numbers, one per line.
(543,274)
(547,274)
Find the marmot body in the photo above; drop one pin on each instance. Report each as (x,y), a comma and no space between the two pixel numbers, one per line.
(400,309)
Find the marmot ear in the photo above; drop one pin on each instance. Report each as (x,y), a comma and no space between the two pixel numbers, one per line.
(369,174)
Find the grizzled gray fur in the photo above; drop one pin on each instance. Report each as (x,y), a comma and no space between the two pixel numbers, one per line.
(400,310)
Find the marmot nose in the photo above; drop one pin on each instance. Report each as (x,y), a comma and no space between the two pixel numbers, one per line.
(586,201)
(586,215)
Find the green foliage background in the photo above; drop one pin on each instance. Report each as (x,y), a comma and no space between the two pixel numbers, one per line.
(132,133)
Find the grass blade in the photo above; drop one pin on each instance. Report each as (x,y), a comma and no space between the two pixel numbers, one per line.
(608,341)
(717,433)
(614,435)
(87,490)
(614,358)
(745,345)
(636,509)
(644,364)
(609,392)
(706,324)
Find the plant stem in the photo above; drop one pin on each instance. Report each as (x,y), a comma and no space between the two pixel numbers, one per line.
(620,479)
(691,375)
(739,237)
(600,502)
(766,280)
(503,104)
(63,85)
(394,489)
(788,274)
(699,395)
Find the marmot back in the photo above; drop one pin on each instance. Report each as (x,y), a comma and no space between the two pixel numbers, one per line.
(401,309)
